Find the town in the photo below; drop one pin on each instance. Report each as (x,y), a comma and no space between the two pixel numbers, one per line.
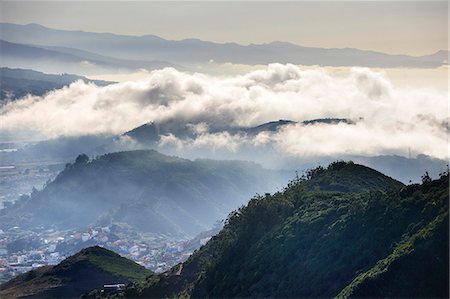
(23,250)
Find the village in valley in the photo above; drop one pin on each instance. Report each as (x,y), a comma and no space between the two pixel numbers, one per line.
(23,250)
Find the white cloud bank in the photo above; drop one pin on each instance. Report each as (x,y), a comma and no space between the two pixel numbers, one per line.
(390,119)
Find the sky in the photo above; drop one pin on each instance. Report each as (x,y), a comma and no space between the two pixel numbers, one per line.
(392,111)
(414,28)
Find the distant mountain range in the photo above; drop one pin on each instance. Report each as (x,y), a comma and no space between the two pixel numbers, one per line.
(150,133)
(148,136)
(17,83)
(345,231)
(85,271)
(148,191)
(402,168)
(57,59)
(150,48)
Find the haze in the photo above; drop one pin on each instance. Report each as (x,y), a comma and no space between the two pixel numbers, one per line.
(415,28)
(139,126)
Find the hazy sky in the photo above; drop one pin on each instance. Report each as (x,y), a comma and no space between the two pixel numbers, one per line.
(394,27)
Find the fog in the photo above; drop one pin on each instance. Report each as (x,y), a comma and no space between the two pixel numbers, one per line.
(386,118)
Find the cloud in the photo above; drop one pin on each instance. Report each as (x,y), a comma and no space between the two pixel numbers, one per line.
(389,119)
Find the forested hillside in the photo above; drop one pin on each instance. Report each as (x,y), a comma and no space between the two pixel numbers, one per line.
(345,231)
(149,191)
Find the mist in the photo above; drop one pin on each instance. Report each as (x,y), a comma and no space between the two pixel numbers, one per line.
(384,118)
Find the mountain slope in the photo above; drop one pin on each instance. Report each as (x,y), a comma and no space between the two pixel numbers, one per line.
(149,136)
(413,269)
(310,243)
(145,189)
(16,83)
(348,177)
(150,47)
(60,59)
(150,133)
(89,269)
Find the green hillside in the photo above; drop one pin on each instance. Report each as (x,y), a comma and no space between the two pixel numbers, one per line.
(147,190)
(347,177)
(345,231)
(89,269)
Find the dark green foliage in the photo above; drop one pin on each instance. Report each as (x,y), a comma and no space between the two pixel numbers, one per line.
(348,177)
(415,268)
(323,236)
(426,178)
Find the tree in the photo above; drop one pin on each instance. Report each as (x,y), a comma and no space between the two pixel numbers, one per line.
(82,159)
(426,178)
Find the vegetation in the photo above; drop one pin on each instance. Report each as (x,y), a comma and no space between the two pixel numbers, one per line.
(115,264)
(343,231)
(149,191)
(347,177)
(415,264)
(89,269)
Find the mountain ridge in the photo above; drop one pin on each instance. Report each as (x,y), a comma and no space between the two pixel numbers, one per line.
(145,189)
(276,42)
(17,83)
(198,51)
(27,55)
(312,239)
(309,243)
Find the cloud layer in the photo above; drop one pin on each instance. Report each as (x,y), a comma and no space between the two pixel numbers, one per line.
(388,119)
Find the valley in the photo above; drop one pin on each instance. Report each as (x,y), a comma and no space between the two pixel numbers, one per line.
(40,229)
(222,149)
(23,250)
(322,219)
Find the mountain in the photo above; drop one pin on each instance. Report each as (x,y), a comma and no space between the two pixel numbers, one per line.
(150,47)
(60,59)
(272,126)
(146,136)
(341,231)
(150,133)
(61,149)
(149,191)
(405,169)
(130,64)
(149,136)
(17,83)
(89,269)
